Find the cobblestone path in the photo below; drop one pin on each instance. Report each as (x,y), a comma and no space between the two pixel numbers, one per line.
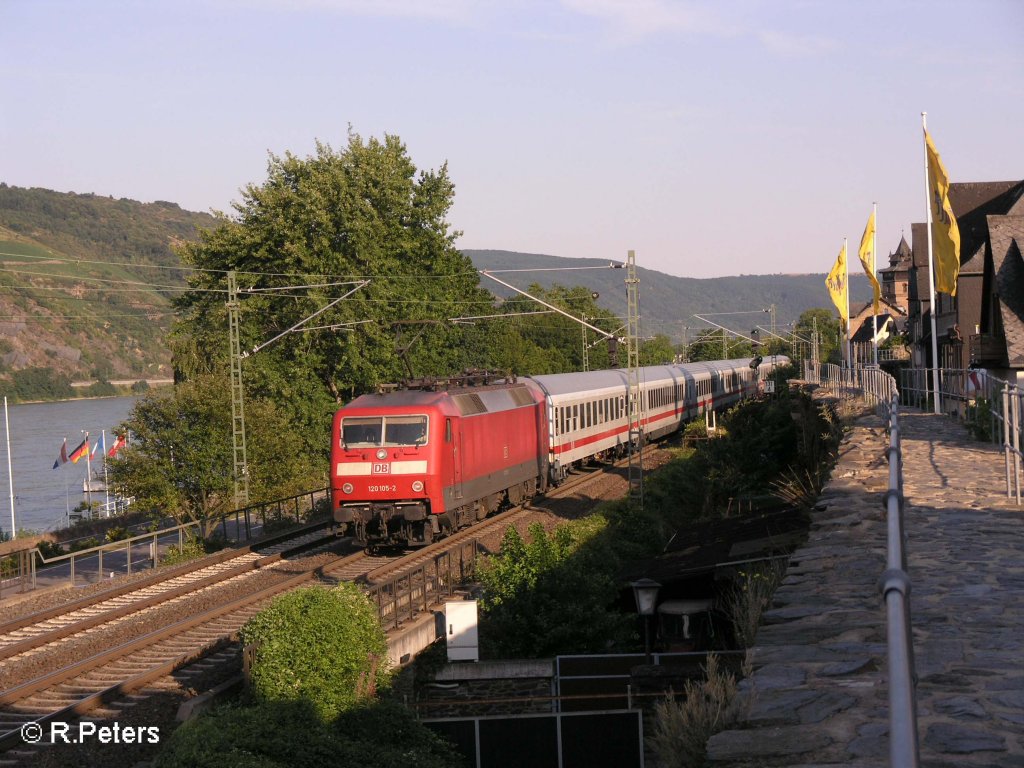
(819,693)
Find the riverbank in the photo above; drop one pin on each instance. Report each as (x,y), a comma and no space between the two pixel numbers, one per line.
(124,382)
(118,388)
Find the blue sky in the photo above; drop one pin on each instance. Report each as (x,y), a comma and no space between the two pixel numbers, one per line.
(714,138)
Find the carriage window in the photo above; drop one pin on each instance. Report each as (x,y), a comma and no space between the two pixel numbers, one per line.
(575,417)
(405,430)
(361,432)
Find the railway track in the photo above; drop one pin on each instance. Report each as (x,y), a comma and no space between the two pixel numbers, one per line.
(64,694)
(32,631)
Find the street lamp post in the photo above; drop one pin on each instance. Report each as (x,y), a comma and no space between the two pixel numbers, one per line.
(645,591)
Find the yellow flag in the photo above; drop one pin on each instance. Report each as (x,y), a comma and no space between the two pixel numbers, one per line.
(837,287)
(867,257)
(945,232)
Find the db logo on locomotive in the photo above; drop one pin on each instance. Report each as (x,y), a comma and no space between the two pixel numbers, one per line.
(381,469)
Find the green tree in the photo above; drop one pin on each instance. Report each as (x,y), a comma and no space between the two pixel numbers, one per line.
(829,332)
(528,343)
(325,646)
(180,458)
(709,346)
(41,383)
(552,594)
(657,350)
(303,238)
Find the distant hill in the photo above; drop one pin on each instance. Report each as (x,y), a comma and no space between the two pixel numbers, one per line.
(668,303)
(86,281)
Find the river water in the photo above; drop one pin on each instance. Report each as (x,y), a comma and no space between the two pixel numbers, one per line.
(43,495)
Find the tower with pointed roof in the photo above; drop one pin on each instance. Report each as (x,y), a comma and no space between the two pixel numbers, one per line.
(895,279)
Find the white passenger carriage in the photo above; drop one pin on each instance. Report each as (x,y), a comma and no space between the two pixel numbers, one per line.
(588,415)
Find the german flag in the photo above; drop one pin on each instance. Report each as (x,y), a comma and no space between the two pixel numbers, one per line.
(80,451)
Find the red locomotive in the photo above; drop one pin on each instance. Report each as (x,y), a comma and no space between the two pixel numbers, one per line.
(413,464)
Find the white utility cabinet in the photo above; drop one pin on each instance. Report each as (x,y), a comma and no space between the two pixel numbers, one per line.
(460,622)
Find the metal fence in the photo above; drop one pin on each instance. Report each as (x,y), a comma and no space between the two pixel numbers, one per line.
(989,406)
(871,384)
(126,556)
(556,740)
(410,593)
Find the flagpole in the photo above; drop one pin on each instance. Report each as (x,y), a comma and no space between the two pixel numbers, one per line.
(874,267)
(849,347)
(10,471)
(931,270)
(88,474)
(106,489)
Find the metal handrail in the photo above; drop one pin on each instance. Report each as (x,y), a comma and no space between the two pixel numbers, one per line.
(244,521)
(872,384)
(962,391)
(895,587)
(894,584)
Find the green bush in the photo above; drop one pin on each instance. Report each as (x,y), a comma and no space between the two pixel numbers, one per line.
(191,549)
(41,383)
(979,423)
(102,388)
(49,549)
(289,734)
(117,533)
(552,594)
(322,645)
(80,544)
(694,432)
(682,726)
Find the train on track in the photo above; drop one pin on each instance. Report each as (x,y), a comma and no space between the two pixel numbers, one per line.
(409,465)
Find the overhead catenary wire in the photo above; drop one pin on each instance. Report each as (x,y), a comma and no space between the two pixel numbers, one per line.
(207,270)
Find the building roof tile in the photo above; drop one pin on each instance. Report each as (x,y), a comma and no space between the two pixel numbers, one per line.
(1006,235)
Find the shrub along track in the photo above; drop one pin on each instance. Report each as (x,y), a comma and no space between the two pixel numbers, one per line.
(145,643)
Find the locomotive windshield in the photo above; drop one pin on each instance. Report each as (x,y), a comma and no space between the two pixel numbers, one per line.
(367,431)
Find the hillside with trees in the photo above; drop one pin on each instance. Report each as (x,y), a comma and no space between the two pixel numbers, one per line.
(667,302)
(85,287)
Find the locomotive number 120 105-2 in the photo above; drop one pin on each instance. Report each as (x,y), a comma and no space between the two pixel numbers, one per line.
(382,488)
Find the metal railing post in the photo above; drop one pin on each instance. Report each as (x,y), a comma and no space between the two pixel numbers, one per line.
(1015,420)
(1006,435)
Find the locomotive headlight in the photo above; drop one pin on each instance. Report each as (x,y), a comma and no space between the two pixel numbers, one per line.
(417,485)
(347,488)
(382,454)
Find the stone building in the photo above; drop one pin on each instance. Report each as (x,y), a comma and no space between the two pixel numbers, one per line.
(991,304)
(893,303)
(998,344)
(895,279)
